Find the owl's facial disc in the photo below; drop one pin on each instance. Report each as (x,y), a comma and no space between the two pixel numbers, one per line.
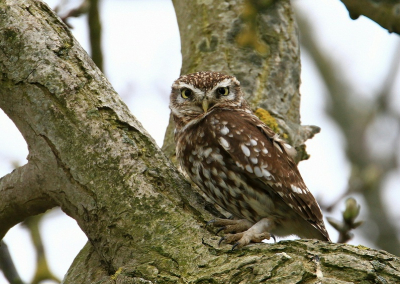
(197,97)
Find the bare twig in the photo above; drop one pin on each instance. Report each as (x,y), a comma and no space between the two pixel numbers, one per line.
(94,25)
(7,265)
(348,222)
(42,269)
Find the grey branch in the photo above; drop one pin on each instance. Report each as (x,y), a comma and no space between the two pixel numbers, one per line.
(22,195)
(386,13)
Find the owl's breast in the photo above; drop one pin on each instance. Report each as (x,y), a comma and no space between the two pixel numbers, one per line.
(202,156)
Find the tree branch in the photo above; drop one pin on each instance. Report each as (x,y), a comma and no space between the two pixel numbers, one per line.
(94,25)
(386,13)
(22,196)
(7,265)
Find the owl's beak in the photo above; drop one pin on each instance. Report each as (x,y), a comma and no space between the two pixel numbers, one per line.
(205,105)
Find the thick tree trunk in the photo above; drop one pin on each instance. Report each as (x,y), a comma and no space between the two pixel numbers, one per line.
(92,158)
(260,48)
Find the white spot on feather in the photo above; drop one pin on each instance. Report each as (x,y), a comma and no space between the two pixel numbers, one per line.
(218,157)
(295,189)
(266,173)
(224,130)
(249,169)
(239,165)
(254,160)
(207,152)
(253,142)
(224,143)
(245,150)
(258,172)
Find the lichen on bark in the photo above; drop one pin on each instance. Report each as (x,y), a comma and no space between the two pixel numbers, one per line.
(211,33)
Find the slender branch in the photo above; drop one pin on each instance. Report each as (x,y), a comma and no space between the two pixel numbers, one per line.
(7,265)
(76,12)
(42,272)
(22,195)
(94,25)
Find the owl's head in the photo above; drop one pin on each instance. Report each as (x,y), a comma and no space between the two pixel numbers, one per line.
(195,95)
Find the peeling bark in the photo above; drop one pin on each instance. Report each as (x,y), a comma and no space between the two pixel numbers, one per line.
(94,159)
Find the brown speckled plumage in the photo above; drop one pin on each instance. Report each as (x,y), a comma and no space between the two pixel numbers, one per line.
(203,80)
(238,161)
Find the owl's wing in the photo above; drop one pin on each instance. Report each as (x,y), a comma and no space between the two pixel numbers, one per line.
(257,150)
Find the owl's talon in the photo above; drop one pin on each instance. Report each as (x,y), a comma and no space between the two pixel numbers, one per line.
(210,222)
(234,246)
(273,236)
(221,240)
(220,229)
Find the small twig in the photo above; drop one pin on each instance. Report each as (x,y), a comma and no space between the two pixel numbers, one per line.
(7,265)
(42,270)
(77,12)
(348,223)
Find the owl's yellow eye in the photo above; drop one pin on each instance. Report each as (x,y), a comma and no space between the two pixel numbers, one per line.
(186,93)
(223,91)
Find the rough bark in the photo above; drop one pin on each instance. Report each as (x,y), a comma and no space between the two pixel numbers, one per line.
(210,31)
(94,159)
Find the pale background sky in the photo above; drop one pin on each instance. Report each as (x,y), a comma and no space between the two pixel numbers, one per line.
(142,59)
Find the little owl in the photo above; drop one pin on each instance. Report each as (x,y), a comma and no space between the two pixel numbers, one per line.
(240,163)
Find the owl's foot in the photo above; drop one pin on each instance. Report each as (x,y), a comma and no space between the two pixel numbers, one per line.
(240,240)
(256,234)
(231,226)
